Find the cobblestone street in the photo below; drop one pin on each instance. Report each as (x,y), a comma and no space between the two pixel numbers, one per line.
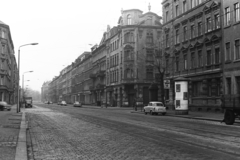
(78,133)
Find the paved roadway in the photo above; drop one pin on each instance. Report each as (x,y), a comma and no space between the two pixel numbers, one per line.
(66,132)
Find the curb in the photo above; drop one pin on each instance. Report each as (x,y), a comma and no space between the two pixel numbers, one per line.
(21,151)
(198,118)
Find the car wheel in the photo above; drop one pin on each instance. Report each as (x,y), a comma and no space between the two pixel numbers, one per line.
(144,111)
(151,113)
(164,113)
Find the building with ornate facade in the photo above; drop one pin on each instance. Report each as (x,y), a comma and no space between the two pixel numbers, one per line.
(120,69)
(8,66)
(192,45)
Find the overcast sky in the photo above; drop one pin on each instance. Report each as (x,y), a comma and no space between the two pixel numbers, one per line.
(63,28)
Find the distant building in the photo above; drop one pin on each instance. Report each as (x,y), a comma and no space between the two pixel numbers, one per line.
(45,96)
(8,66)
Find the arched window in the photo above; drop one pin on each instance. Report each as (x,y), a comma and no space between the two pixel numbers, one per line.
(128,73)
(129,20)
(149,20)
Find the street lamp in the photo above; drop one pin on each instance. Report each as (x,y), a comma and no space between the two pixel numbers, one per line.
(23,83)
(18,107)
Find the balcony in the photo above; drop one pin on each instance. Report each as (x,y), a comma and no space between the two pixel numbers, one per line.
(100,74)
(92,75)
(100,86)
(91,88)
(128,80)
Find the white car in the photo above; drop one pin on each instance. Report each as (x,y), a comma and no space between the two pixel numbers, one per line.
(63,103)
(155,108)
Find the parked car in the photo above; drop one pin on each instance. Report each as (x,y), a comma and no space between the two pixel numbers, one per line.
(63,103)
(155,108)
(77,104)
(4,106)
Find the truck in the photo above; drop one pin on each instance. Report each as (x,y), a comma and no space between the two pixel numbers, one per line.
(231,106)
(28,102)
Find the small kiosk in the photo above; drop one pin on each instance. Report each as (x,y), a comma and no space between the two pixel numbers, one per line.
(181,96)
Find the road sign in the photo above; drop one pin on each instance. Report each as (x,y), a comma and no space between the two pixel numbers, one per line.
(166,84)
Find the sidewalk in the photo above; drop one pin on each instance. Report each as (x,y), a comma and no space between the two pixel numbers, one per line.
(9,133)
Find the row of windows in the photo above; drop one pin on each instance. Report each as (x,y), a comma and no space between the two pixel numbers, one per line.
(196,60)
(236,14)
(196,31)
(236,50)
(212,88)
(114,45)
(185,7)
(114,60)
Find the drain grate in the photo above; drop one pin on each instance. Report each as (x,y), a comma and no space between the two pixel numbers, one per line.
(8,144)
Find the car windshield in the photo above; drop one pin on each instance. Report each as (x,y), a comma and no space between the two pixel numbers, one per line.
(158,104)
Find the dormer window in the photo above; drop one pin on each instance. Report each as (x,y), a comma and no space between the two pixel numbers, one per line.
(149,20)
(129,19)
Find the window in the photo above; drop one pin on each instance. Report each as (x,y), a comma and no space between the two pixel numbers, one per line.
(184,6)
(193,60)
(200,58)
(238,84)
(2,80)
(200,28)
(209,57)
(149,73)
(117,58)
(177,10)
(217,55)
(149,20)
(150,38)
(177,64)
(237,49)
(129,73)
(121,76)
(121,57)
(166,16)
(185,62)
(3,49)
(167,66)
(192,3)
(216,21)
(149,55)
(1,65)
(228,53)
(197,88)
(3,34)
(129,37)
(129,20)
(177,36)
(184,33)
(198,2)
(167,40)
(209,24)
(117,78)
(128,55)
(229,91)
(192,31)
(227,16)
(236,12)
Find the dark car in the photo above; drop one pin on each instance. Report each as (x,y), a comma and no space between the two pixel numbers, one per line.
(4,106)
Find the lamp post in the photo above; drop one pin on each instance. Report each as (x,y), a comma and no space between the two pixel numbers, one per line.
(18,105)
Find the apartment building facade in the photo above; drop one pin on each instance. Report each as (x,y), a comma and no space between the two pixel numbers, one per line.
(192,44)
(231,28)
(8,66)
